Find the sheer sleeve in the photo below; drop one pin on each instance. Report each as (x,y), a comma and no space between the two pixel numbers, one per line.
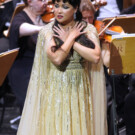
(98,88)
(36,85)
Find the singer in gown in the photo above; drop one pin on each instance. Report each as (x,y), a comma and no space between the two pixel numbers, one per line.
(66,93)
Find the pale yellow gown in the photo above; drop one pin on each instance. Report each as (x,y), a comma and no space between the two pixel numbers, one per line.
(65,100)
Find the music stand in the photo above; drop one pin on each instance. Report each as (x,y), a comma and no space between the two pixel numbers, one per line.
(122,54)
(121,62)
(125,21)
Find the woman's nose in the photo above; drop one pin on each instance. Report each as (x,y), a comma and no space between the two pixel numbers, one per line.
(59,9)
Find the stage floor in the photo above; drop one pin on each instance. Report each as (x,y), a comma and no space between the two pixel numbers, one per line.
(6,127)
(12,111)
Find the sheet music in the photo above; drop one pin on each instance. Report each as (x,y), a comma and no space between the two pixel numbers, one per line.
(123,35)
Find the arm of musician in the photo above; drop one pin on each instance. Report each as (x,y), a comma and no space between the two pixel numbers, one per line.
(106,53)
(27,29)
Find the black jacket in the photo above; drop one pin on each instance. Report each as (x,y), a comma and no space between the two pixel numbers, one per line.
(130,10)
(120,4)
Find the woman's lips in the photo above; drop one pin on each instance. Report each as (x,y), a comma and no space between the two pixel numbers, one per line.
(59,16)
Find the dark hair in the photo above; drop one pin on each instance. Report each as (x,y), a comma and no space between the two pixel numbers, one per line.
(75,4)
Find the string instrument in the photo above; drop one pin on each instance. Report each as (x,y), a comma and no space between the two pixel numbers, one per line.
(1,1)
(113,30)
(48,16)
(99,26)
(105,32)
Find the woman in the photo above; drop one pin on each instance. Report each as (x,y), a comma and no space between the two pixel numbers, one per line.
(64,97)
(23,34)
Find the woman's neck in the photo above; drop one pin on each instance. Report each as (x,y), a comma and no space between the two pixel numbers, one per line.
(70,24)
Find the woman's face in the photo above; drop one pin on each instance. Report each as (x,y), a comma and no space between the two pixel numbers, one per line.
(64,12)
(38,6)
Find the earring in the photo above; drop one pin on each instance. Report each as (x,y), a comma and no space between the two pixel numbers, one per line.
(75,16)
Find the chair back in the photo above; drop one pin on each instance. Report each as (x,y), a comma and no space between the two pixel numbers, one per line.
(18,9)
(6,60)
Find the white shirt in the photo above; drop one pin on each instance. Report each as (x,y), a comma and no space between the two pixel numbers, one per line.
(110,10)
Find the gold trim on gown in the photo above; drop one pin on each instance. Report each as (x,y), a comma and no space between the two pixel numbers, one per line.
(64,100)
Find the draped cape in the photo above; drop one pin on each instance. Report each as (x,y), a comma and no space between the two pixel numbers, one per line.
(46,114)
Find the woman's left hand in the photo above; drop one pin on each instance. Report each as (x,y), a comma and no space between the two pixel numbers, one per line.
(76,31)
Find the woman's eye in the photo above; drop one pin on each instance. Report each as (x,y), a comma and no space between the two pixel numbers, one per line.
(65,7)
(56,5)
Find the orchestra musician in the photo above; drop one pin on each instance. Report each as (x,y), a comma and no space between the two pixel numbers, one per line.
(129,107)
(6,11)
(113,8)
(23,34)
(124,98)
(130,9)
(88,11)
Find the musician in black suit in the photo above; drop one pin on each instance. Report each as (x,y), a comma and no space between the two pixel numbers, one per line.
(129,10)
(129,108)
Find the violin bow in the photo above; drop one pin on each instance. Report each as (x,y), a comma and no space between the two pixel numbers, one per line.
(107,25)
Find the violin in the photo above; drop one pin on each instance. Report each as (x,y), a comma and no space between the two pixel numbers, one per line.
(1,1)
(105,32)
(113,30)
(99,26)
(48,16)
